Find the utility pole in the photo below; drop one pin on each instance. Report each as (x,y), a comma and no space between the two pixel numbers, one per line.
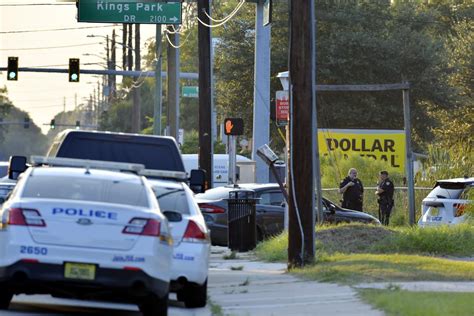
(113,78)
(173,83)
(302,134)
(130,47)
(136,112)
(205,93)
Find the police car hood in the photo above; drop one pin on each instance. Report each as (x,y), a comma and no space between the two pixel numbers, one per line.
(84,224)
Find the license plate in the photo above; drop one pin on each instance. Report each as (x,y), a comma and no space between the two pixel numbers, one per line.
(81,271)
(434,211)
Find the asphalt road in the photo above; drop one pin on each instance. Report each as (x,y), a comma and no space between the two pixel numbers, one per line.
(35,305)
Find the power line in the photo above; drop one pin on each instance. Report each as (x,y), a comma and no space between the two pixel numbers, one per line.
(50,47)
(60,29)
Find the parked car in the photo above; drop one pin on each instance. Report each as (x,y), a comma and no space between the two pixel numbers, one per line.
(191,241)
(5,189)
(3,168)
(75,230)
(446,203)
(270,211)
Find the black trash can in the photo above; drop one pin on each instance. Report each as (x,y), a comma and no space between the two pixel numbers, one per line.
(241,218)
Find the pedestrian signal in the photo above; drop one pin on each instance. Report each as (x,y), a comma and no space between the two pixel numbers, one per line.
(234,126)
(12,71)
(73,69)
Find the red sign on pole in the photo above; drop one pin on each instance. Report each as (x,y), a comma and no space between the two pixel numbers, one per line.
(282,107)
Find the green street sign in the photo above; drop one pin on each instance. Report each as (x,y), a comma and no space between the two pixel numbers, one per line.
(190,92)
(129,11)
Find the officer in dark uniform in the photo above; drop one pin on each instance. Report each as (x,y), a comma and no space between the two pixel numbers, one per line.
(352,191)
(385,189)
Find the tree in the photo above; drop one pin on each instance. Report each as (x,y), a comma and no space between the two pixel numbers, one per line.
(22,141)
(5,107)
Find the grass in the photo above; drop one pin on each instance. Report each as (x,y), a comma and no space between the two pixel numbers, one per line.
(395,303)
(216,310)
(355,253)
(231,256)
(358,268)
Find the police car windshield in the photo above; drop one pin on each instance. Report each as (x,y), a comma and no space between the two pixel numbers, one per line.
(80,188)
(172,199)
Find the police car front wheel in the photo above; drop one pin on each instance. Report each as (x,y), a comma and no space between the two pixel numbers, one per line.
(154,306)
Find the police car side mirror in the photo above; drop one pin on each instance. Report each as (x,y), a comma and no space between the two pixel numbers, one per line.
(16,166)
(197,181)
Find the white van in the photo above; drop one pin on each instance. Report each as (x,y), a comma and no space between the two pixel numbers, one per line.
(245,168)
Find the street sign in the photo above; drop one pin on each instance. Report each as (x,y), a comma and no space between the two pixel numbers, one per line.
(129,11)
(282,107)
(190,92)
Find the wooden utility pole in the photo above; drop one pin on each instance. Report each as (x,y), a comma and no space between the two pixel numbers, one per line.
(113,78)
(130,47)
(136,117)
(205,93)
(302,134)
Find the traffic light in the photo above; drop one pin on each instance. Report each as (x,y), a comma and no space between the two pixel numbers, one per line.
(26,122)
(78,124)
(12,73)
(234,126)
(73,69)
(52,125)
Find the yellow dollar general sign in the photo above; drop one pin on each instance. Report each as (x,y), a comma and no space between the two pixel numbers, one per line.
(386,145)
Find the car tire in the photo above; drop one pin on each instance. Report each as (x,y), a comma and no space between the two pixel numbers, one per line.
(194,295)
(5,298)
(154,306)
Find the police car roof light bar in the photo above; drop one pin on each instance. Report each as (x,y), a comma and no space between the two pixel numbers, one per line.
(178,175)
(85,163)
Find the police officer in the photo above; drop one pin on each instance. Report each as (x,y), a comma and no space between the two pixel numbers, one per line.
(384,192)
(352,191)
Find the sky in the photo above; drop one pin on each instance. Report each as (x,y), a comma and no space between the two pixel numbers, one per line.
(43,95)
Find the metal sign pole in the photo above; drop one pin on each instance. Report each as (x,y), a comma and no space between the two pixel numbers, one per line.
(232,158)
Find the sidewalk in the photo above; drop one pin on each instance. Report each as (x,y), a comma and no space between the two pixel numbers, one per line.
(243,286)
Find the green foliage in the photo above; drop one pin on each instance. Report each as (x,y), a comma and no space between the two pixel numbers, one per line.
(358,268)
(273,249)
(443,163)
(5,106)
(443,240)
(191,144)
(407,303)
(368,239)
(18,140)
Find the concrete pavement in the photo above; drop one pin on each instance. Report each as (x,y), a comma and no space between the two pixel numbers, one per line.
(244,286)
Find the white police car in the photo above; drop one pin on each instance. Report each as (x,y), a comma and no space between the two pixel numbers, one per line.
(446,203)
(84,232)
(190,263)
